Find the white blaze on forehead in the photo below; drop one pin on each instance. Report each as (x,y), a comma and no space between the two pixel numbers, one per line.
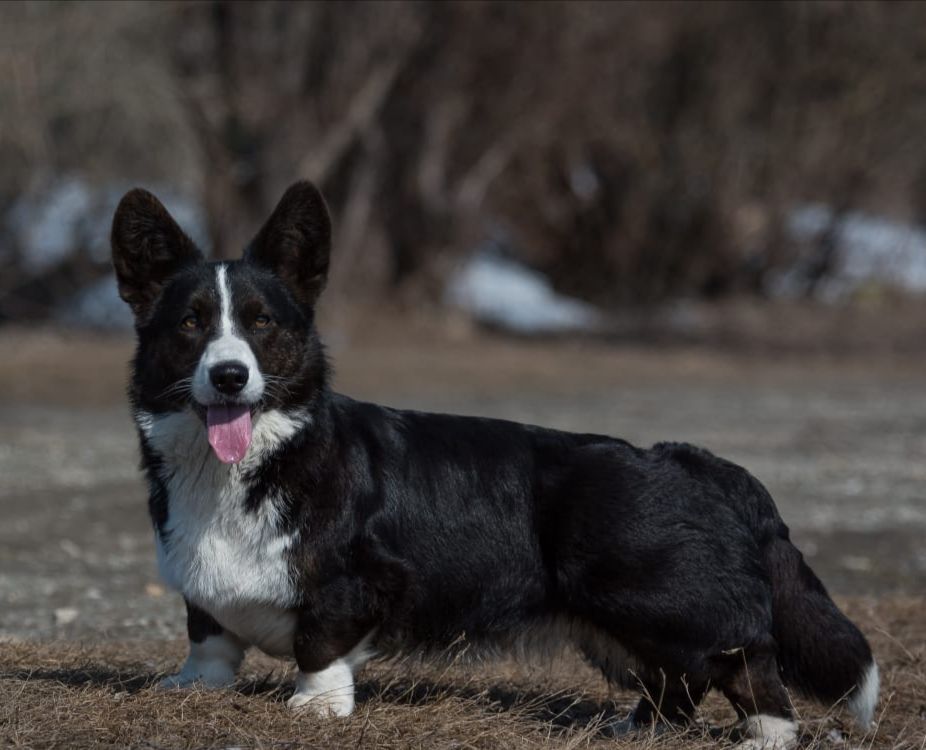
(229,346)
(221,283)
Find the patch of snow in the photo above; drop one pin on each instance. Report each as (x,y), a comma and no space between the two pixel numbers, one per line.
(867,249)
(69,216)
(48,225)
(98,306)
(501,292)
(584,182)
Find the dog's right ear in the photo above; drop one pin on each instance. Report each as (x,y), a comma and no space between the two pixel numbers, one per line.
(148,248)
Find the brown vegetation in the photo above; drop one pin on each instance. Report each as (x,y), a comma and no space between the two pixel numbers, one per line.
(67,695)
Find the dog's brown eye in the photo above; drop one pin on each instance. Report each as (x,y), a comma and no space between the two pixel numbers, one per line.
(262,321)
(189,323)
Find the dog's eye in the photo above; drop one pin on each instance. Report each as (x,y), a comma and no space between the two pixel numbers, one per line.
(189,323)
(262,321)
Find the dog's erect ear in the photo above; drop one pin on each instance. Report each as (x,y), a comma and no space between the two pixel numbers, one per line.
(295,243)
(148,248)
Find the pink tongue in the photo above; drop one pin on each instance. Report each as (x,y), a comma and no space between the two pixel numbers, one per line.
(229,431)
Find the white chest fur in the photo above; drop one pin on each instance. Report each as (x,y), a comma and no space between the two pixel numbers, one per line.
(229,561)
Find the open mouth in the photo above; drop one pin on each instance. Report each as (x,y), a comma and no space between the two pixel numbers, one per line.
(229,429)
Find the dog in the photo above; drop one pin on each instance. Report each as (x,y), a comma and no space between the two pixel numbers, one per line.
(313,526)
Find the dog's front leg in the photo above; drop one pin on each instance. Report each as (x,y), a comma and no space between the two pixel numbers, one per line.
(215,654)
(327,660)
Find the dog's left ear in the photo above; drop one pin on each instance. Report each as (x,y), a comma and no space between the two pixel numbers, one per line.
(295,243)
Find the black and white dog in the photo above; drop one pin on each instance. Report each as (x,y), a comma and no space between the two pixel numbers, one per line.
(307,524)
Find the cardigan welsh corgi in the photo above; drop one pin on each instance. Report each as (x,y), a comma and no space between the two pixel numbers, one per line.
(317,527)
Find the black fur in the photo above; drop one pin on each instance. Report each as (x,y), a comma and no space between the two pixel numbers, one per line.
(148,249)
(431,530)
(199,624)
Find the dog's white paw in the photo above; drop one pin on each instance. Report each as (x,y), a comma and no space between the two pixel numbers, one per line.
(763,744)
(329,692)
(768,733)
(325,705)
(212,675)
(212,663)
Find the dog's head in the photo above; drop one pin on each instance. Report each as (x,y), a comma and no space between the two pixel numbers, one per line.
(228,339)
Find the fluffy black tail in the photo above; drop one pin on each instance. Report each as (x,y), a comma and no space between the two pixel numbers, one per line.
(821,652)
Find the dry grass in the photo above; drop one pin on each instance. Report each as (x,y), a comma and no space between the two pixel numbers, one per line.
(58,694)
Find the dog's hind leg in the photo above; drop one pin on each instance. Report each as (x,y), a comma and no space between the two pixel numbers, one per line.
(671,701)
(760,699)
(667,701)
(664,706)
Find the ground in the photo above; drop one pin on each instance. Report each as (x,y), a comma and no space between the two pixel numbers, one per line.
(86,627)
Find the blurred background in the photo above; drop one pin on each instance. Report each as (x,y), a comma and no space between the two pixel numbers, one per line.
(698,221)
(644,158)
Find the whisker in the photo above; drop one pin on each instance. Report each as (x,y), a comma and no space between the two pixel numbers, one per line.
(184,385)
(282,390)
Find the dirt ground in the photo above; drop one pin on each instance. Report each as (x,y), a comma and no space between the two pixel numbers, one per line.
(85,625)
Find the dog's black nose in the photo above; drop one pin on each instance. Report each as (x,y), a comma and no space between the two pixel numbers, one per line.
(229,377)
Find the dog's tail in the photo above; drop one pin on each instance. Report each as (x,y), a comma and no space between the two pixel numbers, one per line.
(821,652)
